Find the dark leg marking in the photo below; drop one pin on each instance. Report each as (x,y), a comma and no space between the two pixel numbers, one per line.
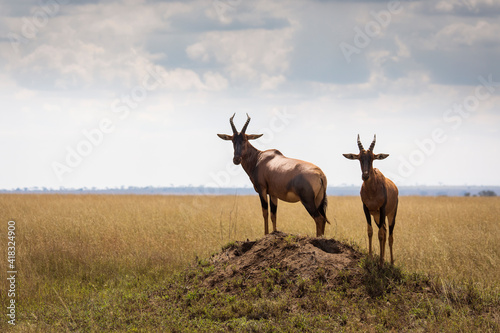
(381,220)
(263,202)
(391,227)
(274,207)
(367,215)
(369,227)
(382,233)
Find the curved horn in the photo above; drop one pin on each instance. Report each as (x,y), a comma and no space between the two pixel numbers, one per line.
(246,124)
(360,145)
(232,124)
(373,142)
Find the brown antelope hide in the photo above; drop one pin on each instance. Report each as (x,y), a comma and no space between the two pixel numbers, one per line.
(280,177)
(379,196)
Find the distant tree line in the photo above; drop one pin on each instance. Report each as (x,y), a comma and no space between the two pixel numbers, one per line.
(483,193)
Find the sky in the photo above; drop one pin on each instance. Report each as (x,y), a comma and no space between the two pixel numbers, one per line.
(132,93)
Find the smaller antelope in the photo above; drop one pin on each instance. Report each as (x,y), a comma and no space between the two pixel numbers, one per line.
(379,196)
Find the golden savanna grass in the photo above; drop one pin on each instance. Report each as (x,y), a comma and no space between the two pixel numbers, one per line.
(64,240)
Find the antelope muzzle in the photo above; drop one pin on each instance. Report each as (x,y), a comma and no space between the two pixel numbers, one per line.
(237,160)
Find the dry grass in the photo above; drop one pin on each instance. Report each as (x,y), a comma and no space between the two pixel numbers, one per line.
(83,234)
(73,247)
(75,235)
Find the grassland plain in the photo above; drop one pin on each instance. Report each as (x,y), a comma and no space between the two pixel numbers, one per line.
(93,262)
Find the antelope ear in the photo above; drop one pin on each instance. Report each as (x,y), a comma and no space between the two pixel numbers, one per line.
(253,136)
(380,156)
(351,156)
(225,136)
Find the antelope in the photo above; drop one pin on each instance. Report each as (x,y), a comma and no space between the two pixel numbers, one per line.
(280,177)
(379,196)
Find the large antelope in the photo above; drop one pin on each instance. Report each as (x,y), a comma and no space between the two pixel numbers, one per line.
(379,195)
(280,177)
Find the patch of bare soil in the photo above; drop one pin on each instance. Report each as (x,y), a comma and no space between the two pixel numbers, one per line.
(282,257)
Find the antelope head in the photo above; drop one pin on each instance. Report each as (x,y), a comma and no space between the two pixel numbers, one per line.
(240,140)
(366,158)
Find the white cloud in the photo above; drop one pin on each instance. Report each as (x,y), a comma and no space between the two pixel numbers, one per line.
(403,50)
(271,82)
(246,55)
(467,35)
(466,7)
(198,51)
(92,45)
(181,79)
(214,81)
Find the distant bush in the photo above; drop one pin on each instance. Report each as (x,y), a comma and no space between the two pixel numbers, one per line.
(487,193)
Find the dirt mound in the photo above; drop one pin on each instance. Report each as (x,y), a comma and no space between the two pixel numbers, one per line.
(281,257)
